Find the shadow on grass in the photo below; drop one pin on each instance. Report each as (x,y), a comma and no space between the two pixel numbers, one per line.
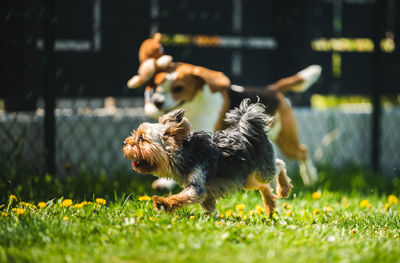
(33,186)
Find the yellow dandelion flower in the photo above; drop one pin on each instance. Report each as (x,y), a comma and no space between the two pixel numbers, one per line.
(240,207)
(220,223)
(316,195)
(176,216)
(289,213)
(84,203)
(66,203)
(353,231)
(151,218)
(328,209)
(101,201)
(192,217)
(365,203)
(20,211)
(392,199)
(387,206)
(80,205)
(13,198)
(260,209)
(4,214)
(144,198)
(229,213)
(284,205)
(316,211)
(245,217)
(65,218)
(221,215)
(252,212)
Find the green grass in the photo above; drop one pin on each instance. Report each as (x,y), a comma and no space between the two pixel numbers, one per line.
(334,228)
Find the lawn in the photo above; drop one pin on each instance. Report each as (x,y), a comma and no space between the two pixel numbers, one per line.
(358,222)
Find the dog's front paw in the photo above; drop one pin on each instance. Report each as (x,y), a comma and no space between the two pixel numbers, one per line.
(162,203)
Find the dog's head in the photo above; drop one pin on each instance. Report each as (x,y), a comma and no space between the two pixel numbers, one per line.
(178,85)
(152,146)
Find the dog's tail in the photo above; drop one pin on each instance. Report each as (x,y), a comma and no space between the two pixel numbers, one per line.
(298,82)
(250,119)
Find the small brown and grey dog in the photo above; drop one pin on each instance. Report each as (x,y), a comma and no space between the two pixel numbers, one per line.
(210,166)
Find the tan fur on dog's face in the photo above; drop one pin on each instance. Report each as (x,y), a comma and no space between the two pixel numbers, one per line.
(151,146)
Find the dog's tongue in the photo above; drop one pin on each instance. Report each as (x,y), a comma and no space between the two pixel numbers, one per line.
(133,164)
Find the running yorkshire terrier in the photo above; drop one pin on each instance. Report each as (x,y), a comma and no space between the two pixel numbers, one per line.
(210,166)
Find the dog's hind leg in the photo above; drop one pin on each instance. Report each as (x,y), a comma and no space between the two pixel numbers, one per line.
(288,138)
(265,190)
(289,143)
(283,185)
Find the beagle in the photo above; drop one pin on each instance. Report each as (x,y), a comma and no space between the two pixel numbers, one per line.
(206,95)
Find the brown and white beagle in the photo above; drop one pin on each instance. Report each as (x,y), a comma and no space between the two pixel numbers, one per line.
(206,95)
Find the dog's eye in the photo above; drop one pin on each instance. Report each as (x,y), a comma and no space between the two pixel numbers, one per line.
(141,139)
(177,89)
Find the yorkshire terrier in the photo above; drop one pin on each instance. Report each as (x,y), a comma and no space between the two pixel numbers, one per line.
(210,166)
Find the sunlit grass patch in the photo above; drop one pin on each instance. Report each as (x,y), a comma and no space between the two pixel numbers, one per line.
(333,226)
(349,216)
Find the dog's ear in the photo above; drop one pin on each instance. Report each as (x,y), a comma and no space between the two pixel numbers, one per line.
(177,126)
(175,116)
(217,81)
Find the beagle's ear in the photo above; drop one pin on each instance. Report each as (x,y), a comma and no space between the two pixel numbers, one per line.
(217,81)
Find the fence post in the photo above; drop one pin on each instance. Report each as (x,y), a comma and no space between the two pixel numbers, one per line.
(376,89)
(49,86)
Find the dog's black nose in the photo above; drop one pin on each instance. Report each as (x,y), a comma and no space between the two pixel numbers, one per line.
(158,103)
(124,143)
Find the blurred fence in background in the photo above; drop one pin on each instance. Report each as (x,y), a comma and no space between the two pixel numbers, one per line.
(253,42)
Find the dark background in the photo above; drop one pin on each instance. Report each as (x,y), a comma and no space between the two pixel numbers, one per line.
(125,24)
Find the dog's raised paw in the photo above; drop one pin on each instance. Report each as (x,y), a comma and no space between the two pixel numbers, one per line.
(160,203)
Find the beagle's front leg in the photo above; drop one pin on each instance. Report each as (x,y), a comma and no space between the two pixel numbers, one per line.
(192,194)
